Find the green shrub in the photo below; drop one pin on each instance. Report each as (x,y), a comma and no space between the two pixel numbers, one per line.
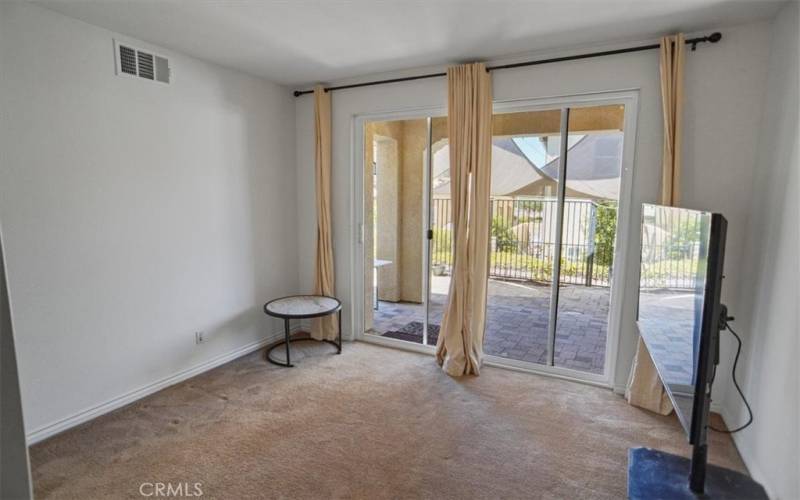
(504,237)
(604,232)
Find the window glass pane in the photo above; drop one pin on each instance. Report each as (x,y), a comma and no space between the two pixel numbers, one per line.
(524,190)
(394,229)
(593,174)
(441,243)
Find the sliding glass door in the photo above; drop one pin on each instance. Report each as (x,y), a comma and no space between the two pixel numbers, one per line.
(555,189)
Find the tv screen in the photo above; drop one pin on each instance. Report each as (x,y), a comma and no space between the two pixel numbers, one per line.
(678,298)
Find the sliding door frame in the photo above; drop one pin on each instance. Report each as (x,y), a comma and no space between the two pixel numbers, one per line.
(427,198)
(629,98)
(561,194)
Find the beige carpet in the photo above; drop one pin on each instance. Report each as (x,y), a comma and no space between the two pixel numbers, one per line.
(372,423)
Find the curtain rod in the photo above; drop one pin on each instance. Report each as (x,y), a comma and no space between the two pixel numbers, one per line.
(713,38)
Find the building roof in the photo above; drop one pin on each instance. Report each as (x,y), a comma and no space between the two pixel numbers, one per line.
(594,163)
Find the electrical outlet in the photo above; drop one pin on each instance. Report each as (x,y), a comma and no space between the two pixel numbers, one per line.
(199,337)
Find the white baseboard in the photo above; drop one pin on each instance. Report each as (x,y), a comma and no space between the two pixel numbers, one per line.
(87,414)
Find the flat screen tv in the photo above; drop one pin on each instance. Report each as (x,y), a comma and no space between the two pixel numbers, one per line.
(679,304)
(680,318)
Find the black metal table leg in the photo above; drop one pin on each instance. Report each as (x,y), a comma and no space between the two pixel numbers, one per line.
(339,345)
(287,340)
(286,332)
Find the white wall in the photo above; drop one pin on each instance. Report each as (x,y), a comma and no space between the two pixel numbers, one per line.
(768,319)
(134,214)
(724,92)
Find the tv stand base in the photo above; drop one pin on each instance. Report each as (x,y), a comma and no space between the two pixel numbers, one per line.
(656,474)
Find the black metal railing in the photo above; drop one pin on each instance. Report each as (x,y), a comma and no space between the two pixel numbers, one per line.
(523,235)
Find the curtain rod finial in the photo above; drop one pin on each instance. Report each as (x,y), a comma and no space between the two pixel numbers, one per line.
(713,38)
(297,93)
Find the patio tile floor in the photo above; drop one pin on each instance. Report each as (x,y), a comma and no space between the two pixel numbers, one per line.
(516,322)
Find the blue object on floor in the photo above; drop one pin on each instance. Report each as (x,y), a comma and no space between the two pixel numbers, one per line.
(656,475)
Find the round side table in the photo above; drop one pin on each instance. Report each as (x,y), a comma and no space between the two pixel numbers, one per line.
(302,307)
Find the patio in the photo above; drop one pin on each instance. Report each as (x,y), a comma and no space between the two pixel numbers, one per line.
(516,322)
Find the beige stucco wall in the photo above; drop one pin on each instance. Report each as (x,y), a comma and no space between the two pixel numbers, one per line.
(415,141)
(400,147)
(387,211)
(389,137)
(596,118)
(385,139)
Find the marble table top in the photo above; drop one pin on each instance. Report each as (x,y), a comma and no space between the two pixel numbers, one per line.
(302,306)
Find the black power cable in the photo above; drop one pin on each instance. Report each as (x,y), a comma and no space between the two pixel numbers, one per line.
(736,384)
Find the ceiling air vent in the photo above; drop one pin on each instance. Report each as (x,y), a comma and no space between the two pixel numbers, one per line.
(134,62)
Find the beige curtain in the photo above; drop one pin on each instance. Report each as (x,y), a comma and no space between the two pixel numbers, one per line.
(672,55)
(326,327)
(459,348)
(644,387)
